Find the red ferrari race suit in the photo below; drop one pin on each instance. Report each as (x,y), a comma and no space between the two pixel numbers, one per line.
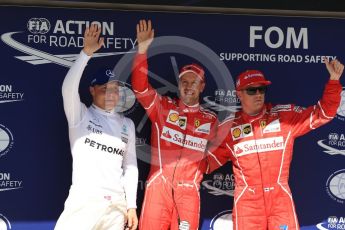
(179,138)
(260,148)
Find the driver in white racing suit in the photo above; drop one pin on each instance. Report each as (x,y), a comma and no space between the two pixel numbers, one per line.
(105,173)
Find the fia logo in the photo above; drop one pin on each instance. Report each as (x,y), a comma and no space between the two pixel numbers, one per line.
(38,25)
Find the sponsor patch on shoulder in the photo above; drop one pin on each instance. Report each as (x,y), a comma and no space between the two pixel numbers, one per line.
(281,108)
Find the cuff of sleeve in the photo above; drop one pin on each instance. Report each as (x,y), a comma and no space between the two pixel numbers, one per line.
(84,56)
(334,82)
(131,204)
(141,57)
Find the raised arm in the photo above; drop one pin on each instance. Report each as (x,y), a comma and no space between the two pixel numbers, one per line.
(71,100)
(145,35)
(146,95)
(324,111)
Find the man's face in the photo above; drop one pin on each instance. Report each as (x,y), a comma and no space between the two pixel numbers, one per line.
(252,98)
(105,96)
(190,86)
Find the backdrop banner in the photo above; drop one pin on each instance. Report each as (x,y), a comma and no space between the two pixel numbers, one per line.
(38,45)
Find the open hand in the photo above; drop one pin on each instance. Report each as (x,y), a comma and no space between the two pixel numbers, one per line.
(92,41)
(145,35)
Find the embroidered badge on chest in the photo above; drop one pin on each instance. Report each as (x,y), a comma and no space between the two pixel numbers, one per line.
(241,131)
(272,127)
(263,124)
(94,126)
(204,128)
(175,119)
(196,123)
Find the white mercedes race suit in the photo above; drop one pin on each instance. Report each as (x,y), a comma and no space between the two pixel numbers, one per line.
(105,173)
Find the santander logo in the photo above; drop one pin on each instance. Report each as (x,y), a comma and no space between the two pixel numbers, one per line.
(167,134)
(259,146)
(188,141)
(239,150)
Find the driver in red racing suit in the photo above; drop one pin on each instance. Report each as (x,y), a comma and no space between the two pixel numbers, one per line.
(180,132)
(260,144)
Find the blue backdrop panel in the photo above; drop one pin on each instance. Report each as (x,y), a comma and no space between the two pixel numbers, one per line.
(40,44)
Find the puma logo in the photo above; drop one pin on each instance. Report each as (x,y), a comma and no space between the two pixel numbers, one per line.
(252,190)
